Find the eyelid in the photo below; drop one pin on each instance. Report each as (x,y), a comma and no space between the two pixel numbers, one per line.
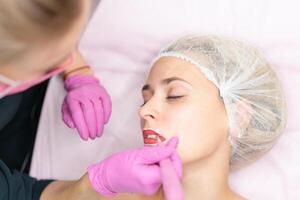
(180,83)
(179,86)
(177,91)
(176,96)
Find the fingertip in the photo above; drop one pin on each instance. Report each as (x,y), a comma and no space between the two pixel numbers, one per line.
(155,154)
(173,142)
(68,121)
(100,132)
(92,133)
(92,138)
(83,138)
(82,135)
(66,116)
(71,123)
(167,151)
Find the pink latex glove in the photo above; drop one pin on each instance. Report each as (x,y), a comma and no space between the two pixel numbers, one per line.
(87,106)
(135,171)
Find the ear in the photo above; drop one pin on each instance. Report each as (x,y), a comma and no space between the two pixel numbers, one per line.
(240,116)
(243,115)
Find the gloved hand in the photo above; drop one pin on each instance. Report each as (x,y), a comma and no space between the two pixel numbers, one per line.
(87,106)
(134,171)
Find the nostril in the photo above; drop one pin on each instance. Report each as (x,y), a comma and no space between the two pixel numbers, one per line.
(147,112)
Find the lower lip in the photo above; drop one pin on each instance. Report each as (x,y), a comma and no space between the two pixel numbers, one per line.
(150,141)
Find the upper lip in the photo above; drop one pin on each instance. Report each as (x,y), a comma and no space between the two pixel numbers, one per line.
(147,132)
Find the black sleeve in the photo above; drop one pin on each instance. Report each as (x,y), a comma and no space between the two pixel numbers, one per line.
(18,186)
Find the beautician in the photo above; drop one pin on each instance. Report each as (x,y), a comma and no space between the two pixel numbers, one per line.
(38,39)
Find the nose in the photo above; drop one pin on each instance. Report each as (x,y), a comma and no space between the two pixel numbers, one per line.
(149,111)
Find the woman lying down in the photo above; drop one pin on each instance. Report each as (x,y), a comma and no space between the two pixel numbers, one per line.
(216,105)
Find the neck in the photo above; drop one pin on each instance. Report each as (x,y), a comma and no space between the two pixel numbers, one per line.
(207,178)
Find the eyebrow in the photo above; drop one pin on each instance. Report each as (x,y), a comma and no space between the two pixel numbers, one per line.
(165,82)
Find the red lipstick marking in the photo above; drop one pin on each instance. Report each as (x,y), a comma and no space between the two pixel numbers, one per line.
(150,137)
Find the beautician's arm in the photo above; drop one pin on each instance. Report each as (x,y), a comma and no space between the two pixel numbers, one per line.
(79,190)
(75,190)
(18,186)
(79,66)
(119,173)
(87,105)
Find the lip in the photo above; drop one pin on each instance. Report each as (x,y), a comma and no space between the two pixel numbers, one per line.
(150,137)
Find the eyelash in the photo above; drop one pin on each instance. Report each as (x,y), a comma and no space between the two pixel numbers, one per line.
(168,97)
(174,97)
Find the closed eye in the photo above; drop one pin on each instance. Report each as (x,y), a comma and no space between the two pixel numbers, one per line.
(168,97)
(174,97)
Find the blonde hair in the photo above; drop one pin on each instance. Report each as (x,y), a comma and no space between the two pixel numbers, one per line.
(23,22)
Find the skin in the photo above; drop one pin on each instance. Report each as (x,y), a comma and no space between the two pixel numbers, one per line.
(77,190)
(187,105)
(180,101)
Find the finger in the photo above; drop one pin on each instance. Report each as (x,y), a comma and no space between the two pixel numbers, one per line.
(151,189)
(78,119)
(89,114)
(66,116)
(173,142)
(170,179)
(99,116)
(68,121)
(177,163)
(107,105)
(152,155)
(150,179)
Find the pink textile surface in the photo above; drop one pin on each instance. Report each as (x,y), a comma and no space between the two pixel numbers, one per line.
(120,42)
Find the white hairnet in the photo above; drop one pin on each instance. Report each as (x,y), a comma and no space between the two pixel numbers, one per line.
(250,89)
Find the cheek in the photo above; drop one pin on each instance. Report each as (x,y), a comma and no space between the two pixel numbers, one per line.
(184,123)
(200,132)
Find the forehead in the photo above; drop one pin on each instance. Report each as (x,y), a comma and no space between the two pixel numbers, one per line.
(167,67)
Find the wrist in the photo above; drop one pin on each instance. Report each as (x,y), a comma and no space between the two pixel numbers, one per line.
(79,66)
(84,186)
(60,190)
(82,189)
(82,70)
(98,180)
